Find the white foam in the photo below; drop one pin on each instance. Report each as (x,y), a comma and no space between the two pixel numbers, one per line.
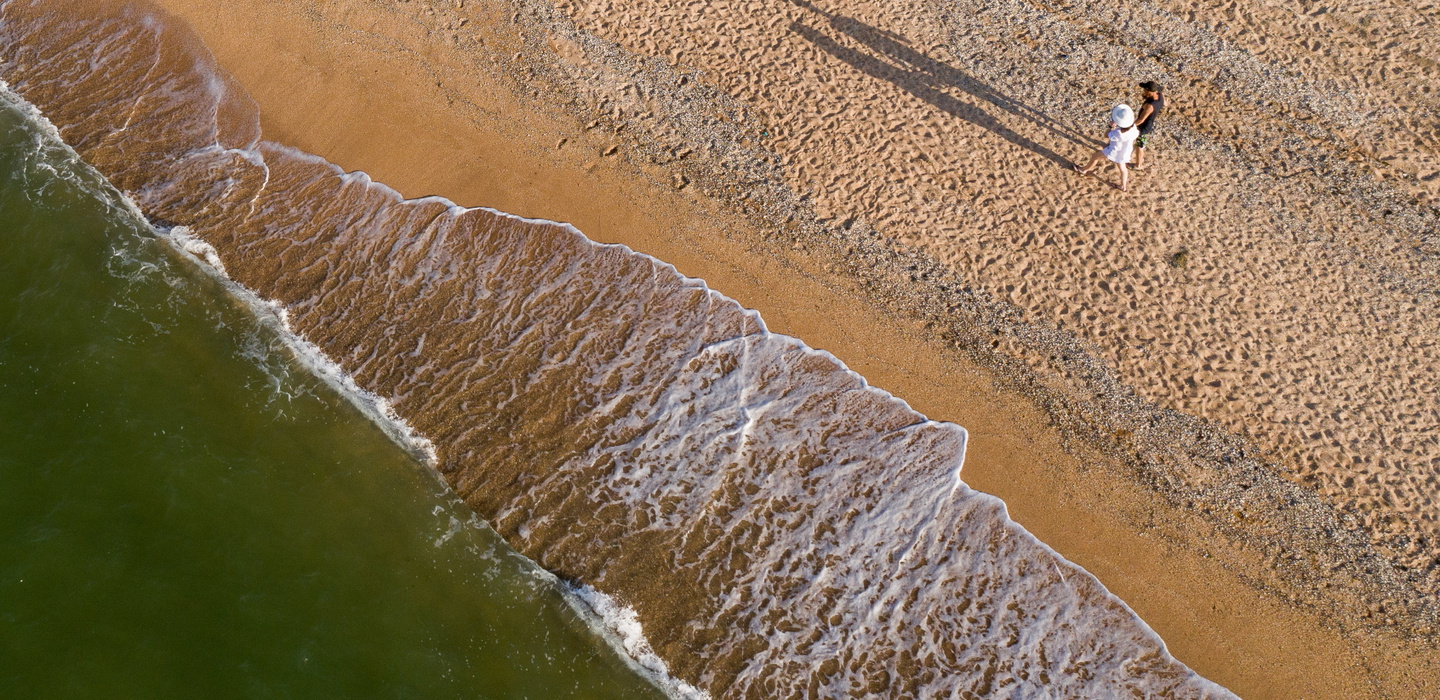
(310,356)
(181,237)
(620,625)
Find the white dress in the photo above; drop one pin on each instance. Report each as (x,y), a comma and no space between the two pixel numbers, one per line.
(1122,143)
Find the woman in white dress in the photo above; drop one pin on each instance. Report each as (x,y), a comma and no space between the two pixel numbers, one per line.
(1122,143)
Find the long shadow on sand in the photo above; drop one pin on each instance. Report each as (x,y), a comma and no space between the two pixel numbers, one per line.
(928,79)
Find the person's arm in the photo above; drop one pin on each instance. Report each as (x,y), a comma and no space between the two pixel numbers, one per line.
(1145,113)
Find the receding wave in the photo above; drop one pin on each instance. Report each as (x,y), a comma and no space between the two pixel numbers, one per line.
(778,526)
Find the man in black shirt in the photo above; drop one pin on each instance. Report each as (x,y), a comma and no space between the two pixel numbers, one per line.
(1145,119)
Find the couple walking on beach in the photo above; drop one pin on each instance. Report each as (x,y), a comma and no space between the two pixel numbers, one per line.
(1128,134)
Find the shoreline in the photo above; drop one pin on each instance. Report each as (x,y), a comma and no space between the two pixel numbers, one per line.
(1084,516)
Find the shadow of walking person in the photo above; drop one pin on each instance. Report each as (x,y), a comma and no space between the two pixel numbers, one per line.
(928,79)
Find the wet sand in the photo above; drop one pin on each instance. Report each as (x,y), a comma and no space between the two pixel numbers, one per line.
(378,92)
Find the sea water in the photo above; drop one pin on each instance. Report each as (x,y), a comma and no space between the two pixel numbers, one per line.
(186,512)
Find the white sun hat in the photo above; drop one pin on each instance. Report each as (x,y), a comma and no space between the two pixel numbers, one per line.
(1123,116)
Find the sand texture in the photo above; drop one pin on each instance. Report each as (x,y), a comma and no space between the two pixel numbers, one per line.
(1226,406)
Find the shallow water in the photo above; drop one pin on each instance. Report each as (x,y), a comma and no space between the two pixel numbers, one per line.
(185,511)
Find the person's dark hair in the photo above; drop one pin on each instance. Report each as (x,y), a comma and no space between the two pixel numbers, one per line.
(1152,86)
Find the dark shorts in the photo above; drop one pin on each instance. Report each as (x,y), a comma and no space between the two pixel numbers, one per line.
(1140,142)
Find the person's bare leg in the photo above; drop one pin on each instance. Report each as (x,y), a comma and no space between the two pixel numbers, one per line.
(1094,160)
(1139,163)
(1124,177)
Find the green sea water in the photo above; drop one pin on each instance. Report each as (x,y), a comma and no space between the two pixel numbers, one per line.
(187,512)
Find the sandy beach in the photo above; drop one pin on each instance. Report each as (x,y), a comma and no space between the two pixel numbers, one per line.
(1216,393)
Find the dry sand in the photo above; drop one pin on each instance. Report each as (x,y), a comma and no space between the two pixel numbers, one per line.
(1297,321)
